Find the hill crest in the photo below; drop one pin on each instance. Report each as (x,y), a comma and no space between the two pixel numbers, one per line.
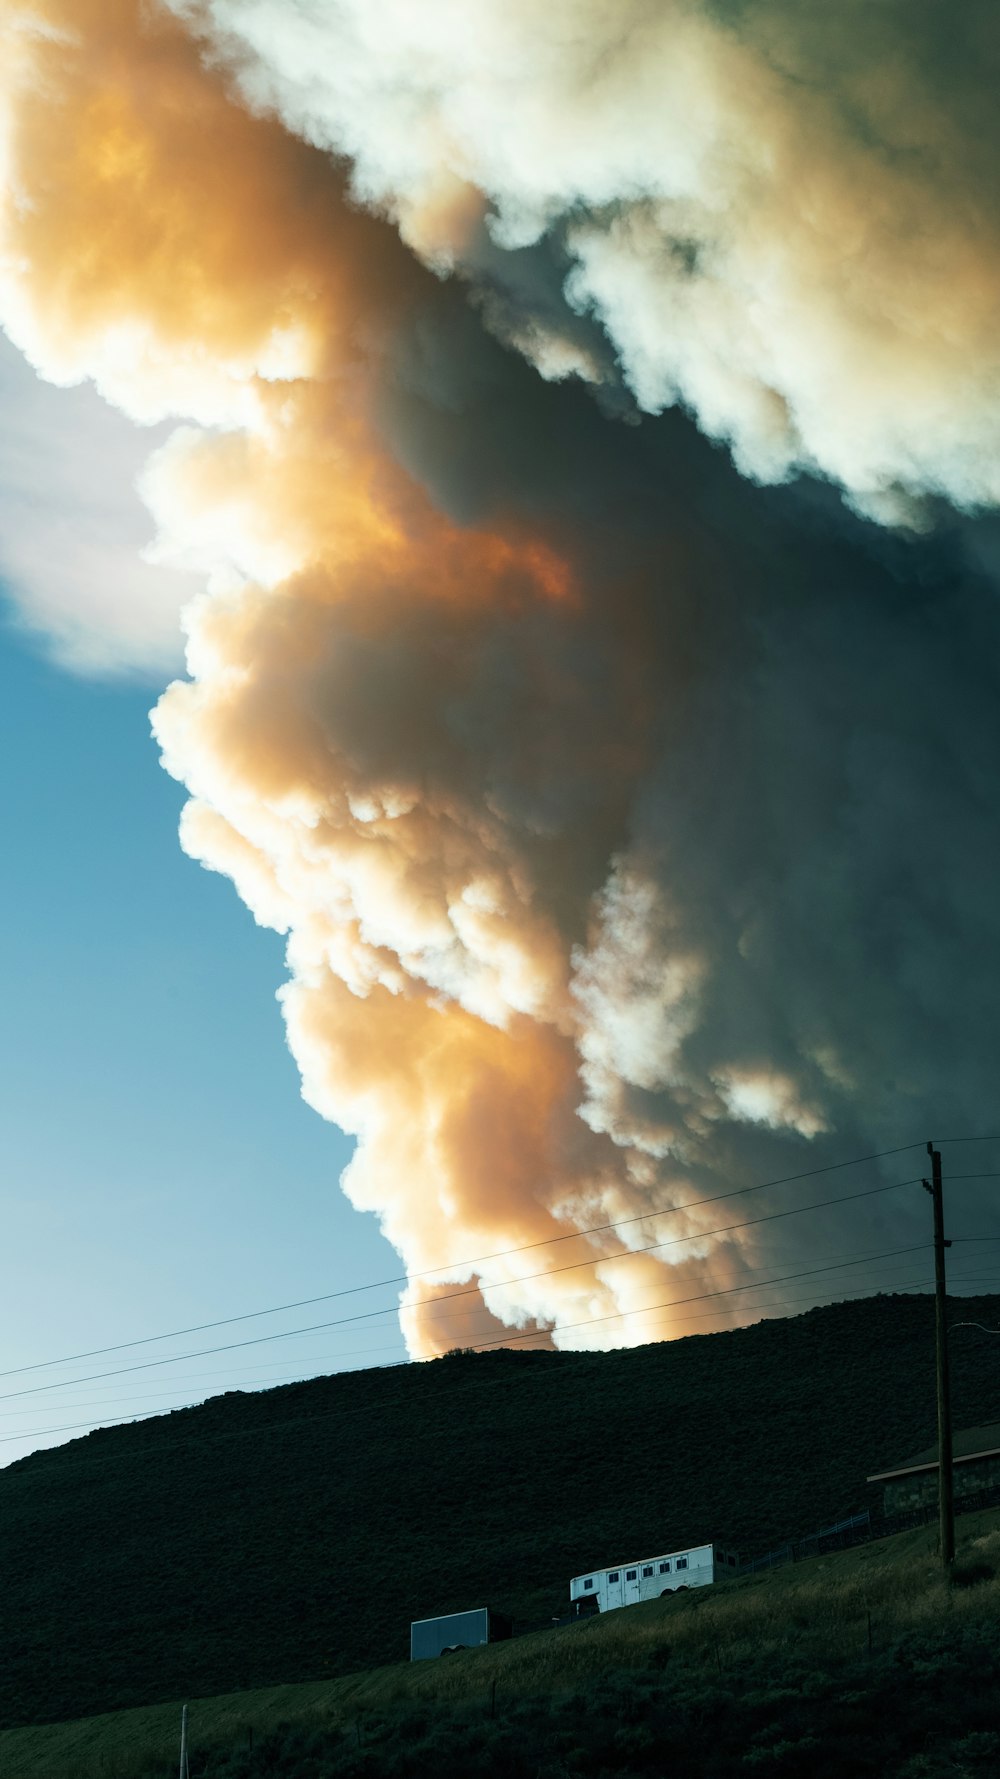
(293,1533)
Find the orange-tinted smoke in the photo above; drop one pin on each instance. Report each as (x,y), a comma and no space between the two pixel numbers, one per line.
(378,713)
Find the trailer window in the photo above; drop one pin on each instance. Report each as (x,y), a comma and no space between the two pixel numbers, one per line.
(664,1568)
(630,1575)
(613,1575)
(589,1582)
(648,1569)
(682,1562)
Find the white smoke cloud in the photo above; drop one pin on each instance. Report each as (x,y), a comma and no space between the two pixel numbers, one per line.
(786,226)
(592,789)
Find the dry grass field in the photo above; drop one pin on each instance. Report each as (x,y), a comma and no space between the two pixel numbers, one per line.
(837,1607)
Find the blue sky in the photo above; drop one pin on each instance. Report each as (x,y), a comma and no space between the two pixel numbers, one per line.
(161,1167)
(629,796)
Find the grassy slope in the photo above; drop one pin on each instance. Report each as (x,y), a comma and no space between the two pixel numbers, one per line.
(293,1534)
(788,1623)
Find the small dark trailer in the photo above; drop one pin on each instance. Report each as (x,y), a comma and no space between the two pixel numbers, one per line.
(457,1630)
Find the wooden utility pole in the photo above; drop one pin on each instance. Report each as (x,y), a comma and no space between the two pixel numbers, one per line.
(946,1497)
(184,1769)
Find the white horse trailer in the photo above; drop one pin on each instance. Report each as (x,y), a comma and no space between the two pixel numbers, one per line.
(650,1577)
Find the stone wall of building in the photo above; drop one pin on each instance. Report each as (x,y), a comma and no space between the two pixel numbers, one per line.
(921,1489)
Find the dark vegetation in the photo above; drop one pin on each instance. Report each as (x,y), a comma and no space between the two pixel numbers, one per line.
(926,1709)
(861,1661)
(293,1534)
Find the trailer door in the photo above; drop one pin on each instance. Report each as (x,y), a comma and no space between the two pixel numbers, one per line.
(631,1592)
(613,1589)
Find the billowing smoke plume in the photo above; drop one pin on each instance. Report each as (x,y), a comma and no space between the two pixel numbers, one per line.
(784,216)
(632,826)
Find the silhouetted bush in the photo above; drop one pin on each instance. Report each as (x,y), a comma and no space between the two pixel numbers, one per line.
(967,1574)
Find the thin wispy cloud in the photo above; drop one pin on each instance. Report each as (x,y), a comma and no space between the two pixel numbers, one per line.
(73,529)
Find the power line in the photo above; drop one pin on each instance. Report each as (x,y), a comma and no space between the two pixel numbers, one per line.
(380,1408)
(457,1266)
(257,1373)
(348,1369)
(534,1334)
(466,1291)
(592,1260)
(96,1426)
(888,1286)
(938,1140)
(259,1431)
(728,1291)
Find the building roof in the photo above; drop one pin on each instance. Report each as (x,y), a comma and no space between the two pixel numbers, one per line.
(970,1443)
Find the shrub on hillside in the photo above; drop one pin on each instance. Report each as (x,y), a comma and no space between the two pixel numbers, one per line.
(921,1710)
(967,1574)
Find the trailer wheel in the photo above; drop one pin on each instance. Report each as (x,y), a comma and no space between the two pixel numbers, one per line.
(453,1648)
(665,1592)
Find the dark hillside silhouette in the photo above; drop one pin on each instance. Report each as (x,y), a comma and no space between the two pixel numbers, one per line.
(294,1533)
